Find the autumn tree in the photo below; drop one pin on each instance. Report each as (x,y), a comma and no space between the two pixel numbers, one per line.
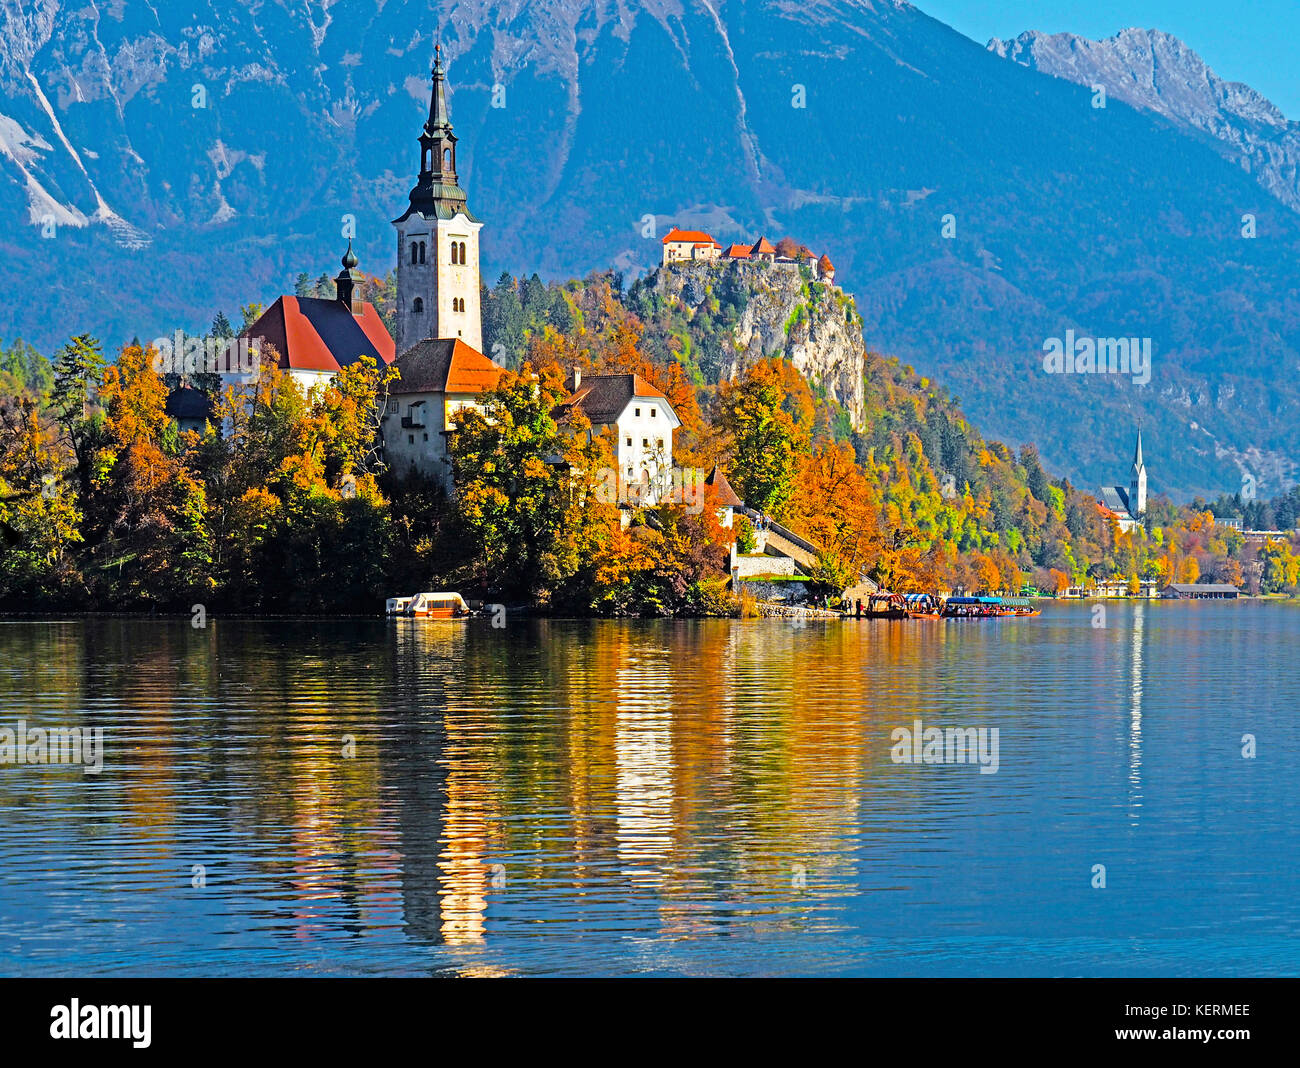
(39,520)
(834,507)
(145,512)
(768,416)
(528,490)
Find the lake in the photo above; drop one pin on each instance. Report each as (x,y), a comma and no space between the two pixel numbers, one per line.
(657,798)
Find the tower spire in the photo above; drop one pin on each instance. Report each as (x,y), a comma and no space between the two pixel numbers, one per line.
(1137,491)
(437,238)
(437,191)
(439,117)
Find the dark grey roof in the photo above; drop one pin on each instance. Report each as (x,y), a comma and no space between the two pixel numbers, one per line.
(189,403)
(1116,499)
(339,329)
(1202,587)
(602,398)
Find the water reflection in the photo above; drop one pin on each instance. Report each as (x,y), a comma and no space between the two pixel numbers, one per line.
(611,797)
(1138,624)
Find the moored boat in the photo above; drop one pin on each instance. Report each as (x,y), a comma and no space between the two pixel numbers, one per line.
(976,608)
(444,605)
(922,606)
(1022,606)
(884,605)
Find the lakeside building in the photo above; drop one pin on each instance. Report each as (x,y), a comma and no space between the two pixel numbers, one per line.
(438,240)
(641,422)
(439,377)
(190,408)
(1128,505)
(1201,591)
(439,322)
(725,499)
(315,338)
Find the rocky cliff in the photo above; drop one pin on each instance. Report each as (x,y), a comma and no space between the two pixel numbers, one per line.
(780,310)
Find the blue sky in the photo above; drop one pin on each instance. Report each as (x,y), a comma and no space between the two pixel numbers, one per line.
(1251,41)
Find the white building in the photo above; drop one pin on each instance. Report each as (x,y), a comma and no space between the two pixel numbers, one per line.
(684,245)
(1128,506)
(314,338)
(640,421)
(438,241)
(438,379)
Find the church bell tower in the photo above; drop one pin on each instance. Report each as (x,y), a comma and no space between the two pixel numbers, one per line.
(1137,488)
(438,240)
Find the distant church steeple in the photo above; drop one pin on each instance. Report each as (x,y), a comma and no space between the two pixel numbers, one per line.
(437,239)
(1137,489)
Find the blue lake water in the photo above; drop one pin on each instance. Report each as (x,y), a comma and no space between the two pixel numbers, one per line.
(656,798)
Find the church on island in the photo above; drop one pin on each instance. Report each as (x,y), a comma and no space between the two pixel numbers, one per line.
(1128,506)
(439,333)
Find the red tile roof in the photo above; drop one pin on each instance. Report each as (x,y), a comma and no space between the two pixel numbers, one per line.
(314,334)
(824,264)
(444,365)
(723,494)
(693,236)
(738,252)
(765,246)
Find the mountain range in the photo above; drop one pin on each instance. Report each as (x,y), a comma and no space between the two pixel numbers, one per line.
(161,162)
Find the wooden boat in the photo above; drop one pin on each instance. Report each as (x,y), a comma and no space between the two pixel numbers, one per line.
(922,606)
(884,606)
(445,605)
(1022,606)
(976,608)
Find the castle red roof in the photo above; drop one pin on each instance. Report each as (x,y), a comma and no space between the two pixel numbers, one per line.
(825,264)
(696,237)
(763,245)
(738,252)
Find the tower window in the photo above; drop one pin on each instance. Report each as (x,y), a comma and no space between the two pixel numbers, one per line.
(455,253)
(638,413)
(446,159)
(421,251)
(462,252)
(415,252)
(417,305)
